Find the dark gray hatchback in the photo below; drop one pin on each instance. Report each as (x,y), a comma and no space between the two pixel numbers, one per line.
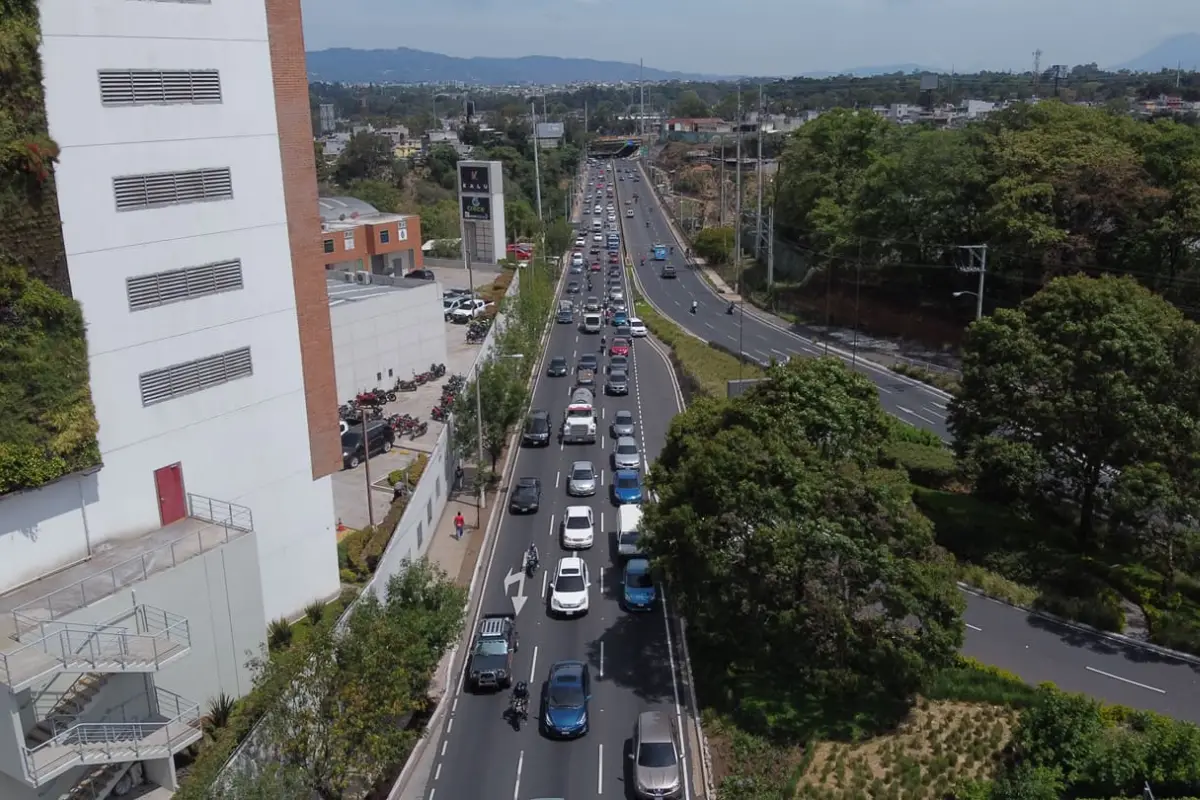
(537,429)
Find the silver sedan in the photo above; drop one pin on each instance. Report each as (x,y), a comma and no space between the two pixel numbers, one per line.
(581,482)
(626,455)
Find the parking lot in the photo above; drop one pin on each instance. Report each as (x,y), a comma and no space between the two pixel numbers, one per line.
(349,485)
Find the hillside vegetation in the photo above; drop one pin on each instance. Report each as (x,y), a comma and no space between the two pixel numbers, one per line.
(47,422)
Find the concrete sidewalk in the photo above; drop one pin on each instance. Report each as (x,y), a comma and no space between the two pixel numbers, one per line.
(458,557)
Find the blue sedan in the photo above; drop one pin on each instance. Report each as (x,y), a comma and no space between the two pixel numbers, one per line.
(565,700)
(627,487)
(620,318)
(639,591)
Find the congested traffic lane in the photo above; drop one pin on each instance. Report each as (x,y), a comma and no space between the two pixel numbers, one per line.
(907,399)
(481,756)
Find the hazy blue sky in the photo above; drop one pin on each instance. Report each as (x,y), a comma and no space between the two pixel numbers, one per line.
(787,37)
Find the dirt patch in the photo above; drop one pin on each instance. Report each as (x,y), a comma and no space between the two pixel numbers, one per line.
(938,746)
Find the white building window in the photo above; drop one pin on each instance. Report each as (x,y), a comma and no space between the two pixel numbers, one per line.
(348,238)
(194,376)
(173,286)
(136,192)
(137,87)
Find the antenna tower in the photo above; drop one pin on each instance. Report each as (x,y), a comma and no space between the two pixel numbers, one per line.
(1037,70)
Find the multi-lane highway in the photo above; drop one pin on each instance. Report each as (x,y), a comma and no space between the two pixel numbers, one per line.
(1030,646)
(633,657)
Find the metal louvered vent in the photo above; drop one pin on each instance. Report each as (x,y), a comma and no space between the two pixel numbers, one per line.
(204,373)
(135,192)
(133,87)
(161,288)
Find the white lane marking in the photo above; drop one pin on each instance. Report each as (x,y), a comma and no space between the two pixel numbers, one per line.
(520,766)
(545,581)
(533,664)
(575,353)
(937,414)
(449,725)
(600,766)
(602,477)
(777,352)
(1126,680)
(557,479)
(601,658)
(942,406)
(973,627)
(438,772)
(687,788)
(603,441)
(444,743)
(912,413)
(602,525)
(454,705)
(551,526)
(432,792)
(602,592)
(709,326)
(603,412)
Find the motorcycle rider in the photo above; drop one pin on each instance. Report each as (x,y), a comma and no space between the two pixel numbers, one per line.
(603,340)
(531,557)
(695,305)
(729,309)
(520,698)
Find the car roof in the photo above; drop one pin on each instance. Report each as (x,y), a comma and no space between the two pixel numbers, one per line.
(616,373)
(539,413)
(654,727)
(578,511)
(623,413)
(567,669)
(493,627)
(556,359)
(624,440)
(626,473)
(528,482)
(636,565)
(570,565)
(581,465)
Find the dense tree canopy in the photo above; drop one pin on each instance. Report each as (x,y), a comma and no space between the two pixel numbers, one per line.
(1083,381)
(1052,189)
(790,551)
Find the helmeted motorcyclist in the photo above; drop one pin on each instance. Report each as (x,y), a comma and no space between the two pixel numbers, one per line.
(531,556)
(695,305)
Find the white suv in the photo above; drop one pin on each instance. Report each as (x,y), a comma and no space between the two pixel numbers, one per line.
(569,588)
(468,311)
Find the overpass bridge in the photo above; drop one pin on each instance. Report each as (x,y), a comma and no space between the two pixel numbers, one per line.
(618,146)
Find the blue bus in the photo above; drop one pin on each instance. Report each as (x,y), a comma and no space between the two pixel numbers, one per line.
(660,252)
(614,242)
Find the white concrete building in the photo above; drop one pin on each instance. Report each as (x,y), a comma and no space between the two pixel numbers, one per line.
(187,196)
(383,331)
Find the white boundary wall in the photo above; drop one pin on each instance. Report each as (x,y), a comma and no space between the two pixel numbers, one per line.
(410,540)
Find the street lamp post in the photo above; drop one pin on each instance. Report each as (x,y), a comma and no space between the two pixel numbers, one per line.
(978,301)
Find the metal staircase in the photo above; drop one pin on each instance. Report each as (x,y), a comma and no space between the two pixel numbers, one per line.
(156,639)
(99,782)
(69,707)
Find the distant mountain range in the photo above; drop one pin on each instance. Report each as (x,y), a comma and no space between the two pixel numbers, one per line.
(406,65)
(1182,50)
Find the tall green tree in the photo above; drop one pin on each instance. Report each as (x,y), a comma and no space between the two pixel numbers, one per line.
(342,728)
(1090,376)
(793,556)
(689,104)
(367,156)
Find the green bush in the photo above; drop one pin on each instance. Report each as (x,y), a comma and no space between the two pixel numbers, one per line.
(972,681)
(927,465)
(901,431)
(995,585)
(946,381)
(1103,610)
(279,634)
(348,576)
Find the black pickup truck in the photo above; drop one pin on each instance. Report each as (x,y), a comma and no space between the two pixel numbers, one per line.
(496,643)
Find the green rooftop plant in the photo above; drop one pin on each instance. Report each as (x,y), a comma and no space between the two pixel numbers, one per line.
(47,422)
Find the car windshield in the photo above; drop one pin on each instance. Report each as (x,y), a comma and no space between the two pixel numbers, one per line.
(569,583)
(656,755)
(526,491)
(558,362)
(538,425)
(578,522)
(491,647)
(617,376)
(351,439)
(638,580)
(581,475)
(628,537)
(627,449)
(566,695)
(630,482)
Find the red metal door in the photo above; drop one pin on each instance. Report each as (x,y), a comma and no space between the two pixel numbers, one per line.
(168,482)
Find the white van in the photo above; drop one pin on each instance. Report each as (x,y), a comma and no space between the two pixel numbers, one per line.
(597,225)
(592,323)
(629,522)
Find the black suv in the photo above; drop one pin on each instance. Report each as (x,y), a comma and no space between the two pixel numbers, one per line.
(491,664)
(537,429)
(379,434)
(558,367)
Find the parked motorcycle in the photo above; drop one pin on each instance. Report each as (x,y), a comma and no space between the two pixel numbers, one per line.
(439,413)
(406,386)
(438,370)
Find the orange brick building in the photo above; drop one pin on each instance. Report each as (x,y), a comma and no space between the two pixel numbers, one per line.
(356,236)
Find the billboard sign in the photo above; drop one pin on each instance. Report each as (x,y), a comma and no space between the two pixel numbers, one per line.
(474,179)
(477,208)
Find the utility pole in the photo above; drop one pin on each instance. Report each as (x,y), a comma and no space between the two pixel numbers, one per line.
(759,231)
(1037,70)
(585,116)
(367,468)
(737,215)
(978,263)
(721,156)
(771,247)
(537,180)
(469,257)
(641,105)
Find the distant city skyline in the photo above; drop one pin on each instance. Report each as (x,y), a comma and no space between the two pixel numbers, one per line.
(791,38)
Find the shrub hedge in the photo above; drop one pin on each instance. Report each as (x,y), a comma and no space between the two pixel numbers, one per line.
(945,381)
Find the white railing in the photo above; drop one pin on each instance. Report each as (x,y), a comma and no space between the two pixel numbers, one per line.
(115,742)
(229,521)
(158,636)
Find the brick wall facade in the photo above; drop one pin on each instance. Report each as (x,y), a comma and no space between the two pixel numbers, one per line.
(286,34)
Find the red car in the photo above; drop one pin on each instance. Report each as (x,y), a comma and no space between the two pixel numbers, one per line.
(595,266)
(613,258)
(620,347)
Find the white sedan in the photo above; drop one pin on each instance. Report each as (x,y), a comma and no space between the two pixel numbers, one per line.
(580,242)
(569,589)
(578,528)
(637,328)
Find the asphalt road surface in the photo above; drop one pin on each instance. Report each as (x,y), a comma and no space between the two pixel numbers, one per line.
(1030,646)
(633,667)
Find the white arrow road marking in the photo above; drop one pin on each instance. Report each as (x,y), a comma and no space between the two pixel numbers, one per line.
(518,578)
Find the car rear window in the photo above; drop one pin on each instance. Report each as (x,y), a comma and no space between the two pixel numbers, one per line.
(629,482)
(578,523)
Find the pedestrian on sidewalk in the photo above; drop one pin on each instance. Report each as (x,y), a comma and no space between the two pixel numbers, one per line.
(459,522)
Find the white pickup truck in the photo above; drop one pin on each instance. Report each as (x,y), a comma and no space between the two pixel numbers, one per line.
(579,422)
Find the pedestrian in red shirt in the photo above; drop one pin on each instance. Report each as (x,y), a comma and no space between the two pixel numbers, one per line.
(459,522)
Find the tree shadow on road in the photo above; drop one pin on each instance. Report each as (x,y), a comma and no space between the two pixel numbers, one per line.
(644,664)
(1095,643)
